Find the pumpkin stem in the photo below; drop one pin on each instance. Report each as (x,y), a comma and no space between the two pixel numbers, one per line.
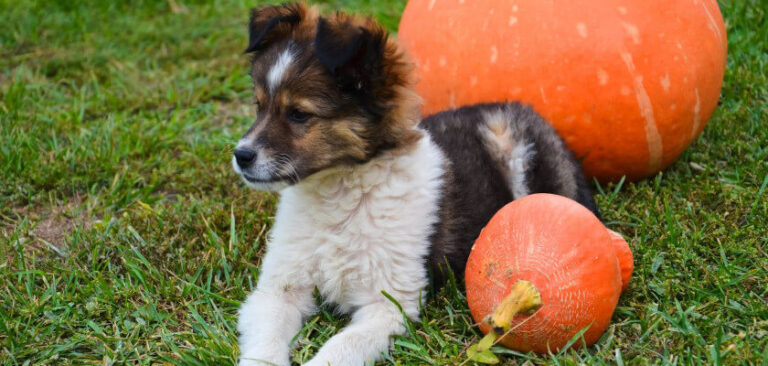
(524,298)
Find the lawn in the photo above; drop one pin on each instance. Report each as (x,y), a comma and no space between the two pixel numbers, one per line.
(125,237)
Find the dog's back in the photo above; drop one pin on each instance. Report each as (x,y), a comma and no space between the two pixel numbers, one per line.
(497,152)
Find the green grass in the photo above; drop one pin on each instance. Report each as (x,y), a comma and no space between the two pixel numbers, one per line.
(125,238)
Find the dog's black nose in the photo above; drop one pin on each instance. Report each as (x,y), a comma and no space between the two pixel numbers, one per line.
(244,157)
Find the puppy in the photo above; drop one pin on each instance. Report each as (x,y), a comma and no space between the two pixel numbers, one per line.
(373,200)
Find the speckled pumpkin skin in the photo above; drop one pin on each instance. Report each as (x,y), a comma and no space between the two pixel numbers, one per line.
(628,84)
(568,255)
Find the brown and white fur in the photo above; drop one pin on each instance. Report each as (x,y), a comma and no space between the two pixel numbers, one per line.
(373,199)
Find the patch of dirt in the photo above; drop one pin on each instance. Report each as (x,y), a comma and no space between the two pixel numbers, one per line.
(53,230)
(52,222)
(60,220)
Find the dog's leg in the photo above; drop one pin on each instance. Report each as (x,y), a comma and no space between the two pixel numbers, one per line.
(271,317)
(267,323)
(365,338)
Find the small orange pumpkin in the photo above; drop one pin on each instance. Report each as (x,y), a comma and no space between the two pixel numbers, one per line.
(627,84)
(566,258)
(626,264)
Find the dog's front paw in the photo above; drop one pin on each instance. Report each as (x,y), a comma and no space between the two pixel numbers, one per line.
(316,362)
(262,360)
(245,362)
(259,350)
(325,358)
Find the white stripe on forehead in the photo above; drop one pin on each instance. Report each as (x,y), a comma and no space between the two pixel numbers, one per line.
(275,74)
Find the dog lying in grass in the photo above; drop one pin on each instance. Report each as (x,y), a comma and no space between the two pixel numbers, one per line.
(374,200)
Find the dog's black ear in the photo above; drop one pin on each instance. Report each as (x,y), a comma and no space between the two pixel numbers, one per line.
(272,23)
(352,53)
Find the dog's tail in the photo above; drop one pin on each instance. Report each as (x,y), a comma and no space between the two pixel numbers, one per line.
(531,155)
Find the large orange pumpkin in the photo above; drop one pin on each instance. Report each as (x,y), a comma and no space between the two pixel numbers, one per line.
(567,256)
(628,84)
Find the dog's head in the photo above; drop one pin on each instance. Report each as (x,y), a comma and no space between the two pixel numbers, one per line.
(330,91)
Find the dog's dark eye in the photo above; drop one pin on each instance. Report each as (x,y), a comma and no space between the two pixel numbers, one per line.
(297,116)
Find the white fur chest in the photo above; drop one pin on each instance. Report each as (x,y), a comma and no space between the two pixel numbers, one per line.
(365,229)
